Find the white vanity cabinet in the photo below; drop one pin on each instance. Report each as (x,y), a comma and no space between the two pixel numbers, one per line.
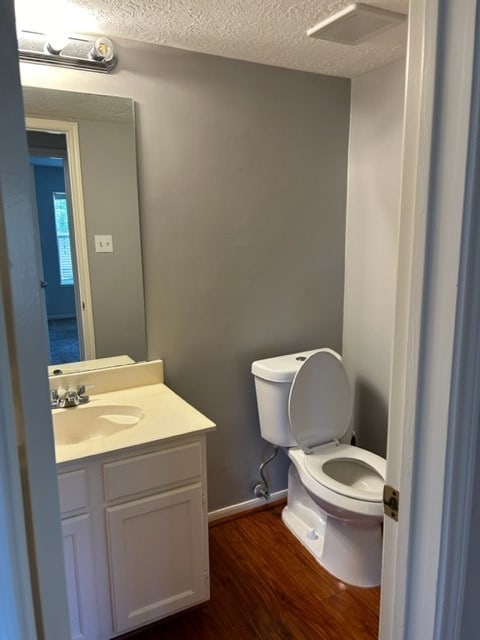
(146,514)
(157,535)
(78,554)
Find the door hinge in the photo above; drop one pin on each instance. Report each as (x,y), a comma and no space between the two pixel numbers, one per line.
(391,499)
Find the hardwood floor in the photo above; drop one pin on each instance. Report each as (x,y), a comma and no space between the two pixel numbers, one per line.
(265,586)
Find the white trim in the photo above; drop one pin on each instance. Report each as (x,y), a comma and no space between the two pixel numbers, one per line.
(419,98)
(432,476)
(26,419)
(463,441)
(435,149)
(235,509)
(16,604)
(70,129)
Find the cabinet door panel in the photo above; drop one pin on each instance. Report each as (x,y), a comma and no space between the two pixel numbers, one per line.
(157,554)
(77,550)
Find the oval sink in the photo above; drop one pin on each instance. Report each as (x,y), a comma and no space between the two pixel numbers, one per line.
(88,422)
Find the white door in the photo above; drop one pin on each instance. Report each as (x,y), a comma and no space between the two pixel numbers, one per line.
(429,439)
(26,440)
(157,556)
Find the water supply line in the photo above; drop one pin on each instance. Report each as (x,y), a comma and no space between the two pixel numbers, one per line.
(261,489)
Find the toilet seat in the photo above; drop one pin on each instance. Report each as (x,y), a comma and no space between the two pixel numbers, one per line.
(320,400)
(319,408)
(333,502)
(362,472)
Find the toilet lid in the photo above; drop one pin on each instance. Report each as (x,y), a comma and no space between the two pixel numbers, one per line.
(320,400)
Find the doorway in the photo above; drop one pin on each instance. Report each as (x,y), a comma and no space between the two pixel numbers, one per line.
(55,162)
(49,166)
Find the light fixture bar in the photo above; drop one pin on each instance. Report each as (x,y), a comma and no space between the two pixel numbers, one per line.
(79,52)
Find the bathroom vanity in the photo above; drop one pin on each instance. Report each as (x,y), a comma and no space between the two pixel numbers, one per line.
(133,501)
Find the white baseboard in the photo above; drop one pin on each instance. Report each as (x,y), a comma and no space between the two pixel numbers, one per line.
(245,506)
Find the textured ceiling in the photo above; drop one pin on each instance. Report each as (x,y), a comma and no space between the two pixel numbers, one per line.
(266,31)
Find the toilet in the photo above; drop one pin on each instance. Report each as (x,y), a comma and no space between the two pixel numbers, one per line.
(335,491)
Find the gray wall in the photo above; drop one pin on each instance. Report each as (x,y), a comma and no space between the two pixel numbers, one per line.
(371,245)
(242,173)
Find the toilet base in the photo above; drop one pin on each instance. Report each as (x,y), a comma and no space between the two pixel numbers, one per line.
(351,550)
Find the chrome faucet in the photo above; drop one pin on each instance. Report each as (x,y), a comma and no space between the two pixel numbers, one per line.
(65,397)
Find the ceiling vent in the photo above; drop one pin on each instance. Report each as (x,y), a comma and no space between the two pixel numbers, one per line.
(355,23)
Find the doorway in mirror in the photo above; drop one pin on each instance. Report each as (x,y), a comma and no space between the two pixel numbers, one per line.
(49,163)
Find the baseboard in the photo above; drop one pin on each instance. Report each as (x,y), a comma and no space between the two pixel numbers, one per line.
(248,505)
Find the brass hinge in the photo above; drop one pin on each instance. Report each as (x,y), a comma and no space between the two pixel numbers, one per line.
(391,498)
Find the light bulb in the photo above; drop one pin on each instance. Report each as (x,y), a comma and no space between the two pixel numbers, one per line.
(56,42)
(102,50)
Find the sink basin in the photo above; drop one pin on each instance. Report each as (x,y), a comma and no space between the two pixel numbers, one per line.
(88,422)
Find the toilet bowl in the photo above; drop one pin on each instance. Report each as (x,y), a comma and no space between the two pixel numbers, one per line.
(335,501)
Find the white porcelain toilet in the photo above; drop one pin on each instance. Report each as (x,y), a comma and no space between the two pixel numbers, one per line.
(335,491)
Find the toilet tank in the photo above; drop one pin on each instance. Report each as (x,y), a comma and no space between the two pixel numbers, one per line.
(273,379)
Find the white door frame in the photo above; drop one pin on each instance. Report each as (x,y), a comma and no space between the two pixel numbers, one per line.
(426,459)
(25,416)
(85,312)
(17,620)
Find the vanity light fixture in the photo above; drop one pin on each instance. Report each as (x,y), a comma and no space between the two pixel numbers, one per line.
(74,52)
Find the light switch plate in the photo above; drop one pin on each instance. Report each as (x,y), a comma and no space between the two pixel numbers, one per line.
(103,244)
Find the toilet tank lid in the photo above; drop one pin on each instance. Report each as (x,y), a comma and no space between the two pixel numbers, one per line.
(280,368)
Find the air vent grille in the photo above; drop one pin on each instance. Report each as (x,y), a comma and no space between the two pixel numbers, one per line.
(355,23)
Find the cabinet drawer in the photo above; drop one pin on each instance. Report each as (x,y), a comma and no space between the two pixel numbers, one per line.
(152,471)
(72,490)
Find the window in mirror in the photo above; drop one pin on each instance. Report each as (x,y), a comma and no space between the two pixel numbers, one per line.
(63,238)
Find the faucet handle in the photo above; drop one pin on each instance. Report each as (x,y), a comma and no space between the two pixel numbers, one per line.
(54,399)
(70,397)
(81,391)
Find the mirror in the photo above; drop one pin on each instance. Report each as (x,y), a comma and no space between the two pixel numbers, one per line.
(106,183)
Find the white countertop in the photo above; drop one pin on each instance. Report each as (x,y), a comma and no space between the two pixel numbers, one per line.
(166,415)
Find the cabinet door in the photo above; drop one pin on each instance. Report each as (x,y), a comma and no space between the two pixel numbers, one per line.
(158,556)
(77,549)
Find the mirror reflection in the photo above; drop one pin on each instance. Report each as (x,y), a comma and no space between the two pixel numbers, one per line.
(48,160)
(83,157)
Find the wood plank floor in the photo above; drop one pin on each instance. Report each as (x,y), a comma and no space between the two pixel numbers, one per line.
(265,586)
